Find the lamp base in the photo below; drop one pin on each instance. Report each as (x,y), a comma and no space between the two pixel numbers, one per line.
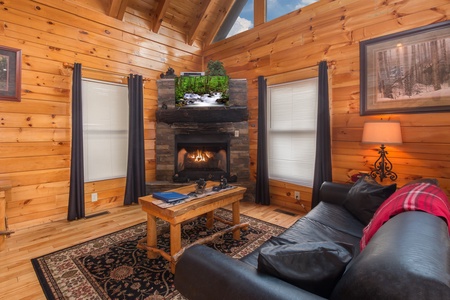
(383,166)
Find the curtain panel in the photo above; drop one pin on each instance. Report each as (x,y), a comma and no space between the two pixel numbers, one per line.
(76,190)
(262,173)
(322,168)
(135,183)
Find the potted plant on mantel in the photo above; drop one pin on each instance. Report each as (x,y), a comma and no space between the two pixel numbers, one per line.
(208,90)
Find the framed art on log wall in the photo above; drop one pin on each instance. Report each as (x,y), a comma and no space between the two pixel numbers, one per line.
(10,73)
(406,72)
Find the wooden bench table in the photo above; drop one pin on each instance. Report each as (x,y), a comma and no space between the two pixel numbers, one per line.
(176,214)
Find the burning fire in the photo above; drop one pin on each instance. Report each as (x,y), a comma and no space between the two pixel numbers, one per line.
(199,156)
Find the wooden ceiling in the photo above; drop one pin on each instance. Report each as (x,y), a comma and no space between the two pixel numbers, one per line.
(193,21)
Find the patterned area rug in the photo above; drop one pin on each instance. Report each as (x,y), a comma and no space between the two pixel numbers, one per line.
(111,267)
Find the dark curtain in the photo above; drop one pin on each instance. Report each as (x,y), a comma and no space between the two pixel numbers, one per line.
(322,169)
(76,192)
(262,174)
(135,186)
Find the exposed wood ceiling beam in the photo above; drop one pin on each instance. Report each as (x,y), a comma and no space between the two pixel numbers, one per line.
(260,12)
(204,12)
(117,8)
(159,14)
(222,14)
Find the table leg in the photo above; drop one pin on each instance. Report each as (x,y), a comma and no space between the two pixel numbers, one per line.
(210,219)
(151,235)
(175,243)
(236,220)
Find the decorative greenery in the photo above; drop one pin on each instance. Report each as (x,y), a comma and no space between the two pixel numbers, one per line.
(201,85)
(215,68)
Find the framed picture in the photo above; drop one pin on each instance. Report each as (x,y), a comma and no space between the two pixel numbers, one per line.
(10,73)
(406,72)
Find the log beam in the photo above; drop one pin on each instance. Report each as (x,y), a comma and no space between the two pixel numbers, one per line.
(117,8)
(171,116)
(158,16)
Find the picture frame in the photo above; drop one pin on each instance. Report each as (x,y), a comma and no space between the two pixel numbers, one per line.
(10,73)
(406,72)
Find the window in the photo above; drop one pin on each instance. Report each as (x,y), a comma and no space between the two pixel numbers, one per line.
(278,8)
(241,16)
(244,21)
(292,118)
(239,19)
(105,130)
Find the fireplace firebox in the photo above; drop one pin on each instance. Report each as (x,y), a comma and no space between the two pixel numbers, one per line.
(202,156)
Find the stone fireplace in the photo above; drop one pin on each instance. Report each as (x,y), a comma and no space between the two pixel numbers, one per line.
(202,142)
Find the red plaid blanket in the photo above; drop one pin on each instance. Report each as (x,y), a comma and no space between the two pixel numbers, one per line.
(419,196)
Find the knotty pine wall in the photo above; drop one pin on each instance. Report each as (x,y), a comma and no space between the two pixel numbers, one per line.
(35,134)
(331,30)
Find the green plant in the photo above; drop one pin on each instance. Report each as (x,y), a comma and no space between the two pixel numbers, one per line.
(215,68)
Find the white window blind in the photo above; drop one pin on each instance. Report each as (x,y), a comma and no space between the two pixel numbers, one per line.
(105,130)
(292,118)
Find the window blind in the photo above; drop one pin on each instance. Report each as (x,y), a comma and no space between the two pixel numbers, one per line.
(292,115)
(105,130)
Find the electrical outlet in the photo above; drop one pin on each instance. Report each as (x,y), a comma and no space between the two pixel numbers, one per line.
(297,195)
(236,133)
(94,197)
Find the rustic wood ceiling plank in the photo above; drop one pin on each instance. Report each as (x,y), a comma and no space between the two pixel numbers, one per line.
(204,12)
(159,14)
(117,8)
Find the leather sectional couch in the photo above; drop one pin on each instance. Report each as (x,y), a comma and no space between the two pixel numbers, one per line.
(408,257)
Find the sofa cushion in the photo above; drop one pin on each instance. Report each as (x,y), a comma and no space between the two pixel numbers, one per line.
(314,228)
(420,196)
(336,217)
(315,266)
(365,196)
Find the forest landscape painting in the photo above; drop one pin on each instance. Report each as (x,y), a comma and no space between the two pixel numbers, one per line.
(407,72)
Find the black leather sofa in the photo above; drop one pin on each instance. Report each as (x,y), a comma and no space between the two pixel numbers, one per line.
(408,258)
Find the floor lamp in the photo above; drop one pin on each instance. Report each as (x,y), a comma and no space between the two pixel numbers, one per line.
(382,132)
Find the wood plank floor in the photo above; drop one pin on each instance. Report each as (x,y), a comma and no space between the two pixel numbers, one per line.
(17,277)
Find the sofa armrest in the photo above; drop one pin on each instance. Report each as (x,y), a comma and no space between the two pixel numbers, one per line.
(408,258)
(204,273)
(333,192)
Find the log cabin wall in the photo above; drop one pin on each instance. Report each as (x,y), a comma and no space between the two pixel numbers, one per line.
(331,30)
(35,133)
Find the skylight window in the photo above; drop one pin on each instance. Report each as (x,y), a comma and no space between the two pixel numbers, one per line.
(278,8)
(244,21)
(242,17)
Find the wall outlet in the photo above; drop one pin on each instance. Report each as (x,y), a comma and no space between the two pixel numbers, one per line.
(94,197)
(236,133)
(297,195)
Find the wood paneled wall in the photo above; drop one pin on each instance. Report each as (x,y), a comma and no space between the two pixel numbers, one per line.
(331,30)
(35,134)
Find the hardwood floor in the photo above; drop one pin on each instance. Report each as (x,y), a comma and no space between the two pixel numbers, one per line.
(17,277)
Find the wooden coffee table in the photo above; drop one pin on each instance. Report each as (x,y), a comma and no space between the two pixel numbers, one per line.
(179,213)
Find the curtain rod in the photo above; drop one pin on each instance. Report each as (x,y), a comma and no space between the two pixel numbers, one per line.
(70,66)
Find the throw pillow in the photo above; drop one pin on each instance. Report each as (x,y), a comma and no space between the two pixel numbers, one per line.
(420,196)
(313,266)
(365,196)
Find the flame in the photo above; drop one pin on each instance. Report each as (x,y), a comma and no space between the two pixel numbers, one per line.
(200,156)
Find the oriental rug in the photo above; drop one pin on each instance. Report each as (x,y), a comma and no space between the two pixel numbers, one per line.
(112,267)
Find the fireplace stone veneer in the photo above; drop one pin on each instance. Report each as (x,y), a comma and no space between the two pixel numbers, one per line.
(208,121)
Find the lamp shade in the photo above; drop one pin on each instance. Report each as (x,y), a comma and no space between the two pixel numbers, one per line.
(382,132)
